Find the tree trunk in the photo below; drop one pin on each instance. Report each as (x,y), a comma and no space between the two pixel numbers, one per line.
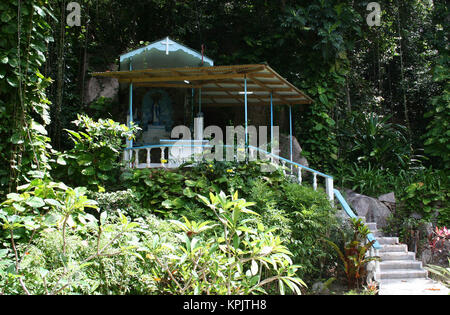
(403,84)
(60,82)
(347,93)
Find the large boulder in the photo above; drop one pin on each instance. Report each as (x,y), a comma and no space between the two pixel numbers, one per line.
(284,147)
(371,208)
(389,200)
(102,87)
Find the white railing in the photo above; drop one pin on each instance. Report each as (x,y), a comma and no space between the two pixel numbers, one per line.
(167,155)
(295,170)
(174,155)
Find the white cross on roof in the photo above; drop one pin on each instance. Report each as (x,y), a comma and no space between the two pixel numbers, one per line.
(167,43)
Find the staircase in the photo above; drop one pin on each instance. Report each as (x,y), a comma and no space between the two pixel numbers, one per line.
(398,272)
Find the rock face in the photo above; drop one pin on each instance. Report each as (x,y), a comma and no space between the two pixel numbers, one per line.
(373,209)
(388,198)
(99,86)
(296,150)
(106,87)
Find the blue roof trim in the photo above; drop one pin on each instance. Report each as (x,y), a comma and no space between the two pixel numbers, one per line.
(173,47)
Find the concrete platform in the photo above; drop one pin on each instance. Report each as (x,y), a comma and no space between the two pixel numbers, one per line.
(412,287)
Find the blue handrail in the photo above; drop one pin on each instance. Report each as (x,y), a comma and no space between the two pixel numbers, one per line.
(351,214)
(291,162)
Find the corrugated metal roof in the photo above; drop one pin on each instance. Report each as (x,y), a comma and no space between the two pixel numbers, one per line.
(220,85)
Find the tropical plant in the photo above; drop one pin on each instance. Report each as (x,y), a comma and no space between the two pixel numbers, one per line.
(354,254)
(437,137)
(239,260)
(94,160)
(172,194)
(24,107)
(371,139)
(443,273)
(53,241)
(310,214)
(438,238)
(368,179)
(428,197)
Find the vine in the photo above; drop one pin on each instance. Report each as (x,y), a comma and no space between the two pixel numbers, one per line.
(23,102)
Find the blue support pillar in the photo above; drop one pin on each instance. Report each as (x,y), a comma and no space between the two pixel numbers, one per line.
(131,105)
(199,100)
(245,98)
(290,130)
(271,121)
(192,110)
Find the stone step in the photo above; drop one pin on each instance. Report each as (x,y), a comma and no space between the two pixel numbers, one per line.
(401,248)
(402,274)
(400,264)
(388,240)
(371,225)
(376,233)
(396,255)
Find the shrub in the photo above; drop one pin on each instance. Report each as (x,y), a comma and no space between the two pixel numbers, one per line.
(172,193)
(428,196)
(93,162)
(353,255)
(240,260)
(311,215)
(298,214)
(369,138)
(53,242)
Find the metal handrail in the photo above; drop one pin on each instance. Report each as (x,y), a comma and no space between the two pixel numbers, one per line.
(351,214)
(328,178)
(291,162)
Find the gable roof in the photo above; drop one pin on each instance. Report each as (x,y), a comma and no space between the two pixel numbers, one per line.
(163,53)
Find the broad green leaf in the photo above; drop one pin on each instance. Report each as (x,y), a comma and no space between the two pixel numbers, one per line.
(35,202)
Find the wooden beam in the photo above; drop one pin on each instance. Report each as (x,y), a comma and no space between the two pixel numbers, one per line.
(216,104)
(289,84)
(240,99)
(288,100)
(167,85)
(181,78)
(263,84)
(240,89)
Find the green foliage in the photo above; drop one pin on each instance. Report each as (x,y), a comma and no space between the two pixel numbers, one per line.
(94,160)
(108,254)
(121,200)
(442,273)
(437,138)
(373,141)
(353,255)
(299,215)
(24,107)
(240,260)
(368,180)
(333,56)
(172,193)
(310,214)
(429,198)
(161,191)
